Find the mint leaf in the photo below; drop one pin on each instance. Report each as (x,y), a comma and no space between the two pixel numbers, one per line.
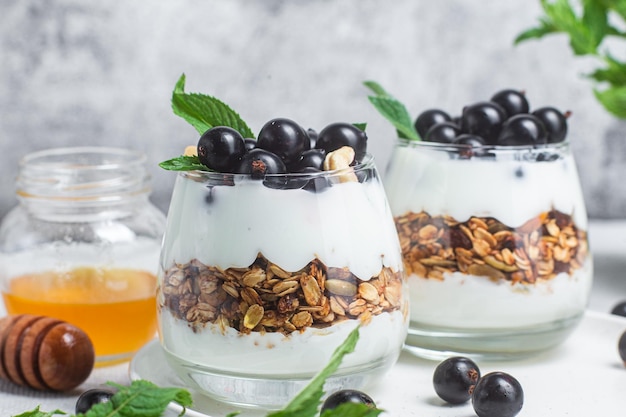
(140,399)
(306,403)
(360,126)
(392,110)
(183,163)
(352,410)
(544,28)
(614,100)
(38,413)
(204,112)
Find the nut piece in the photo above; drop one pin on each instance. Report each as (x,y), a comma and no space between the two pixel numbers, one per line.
(191,150)
(341,159)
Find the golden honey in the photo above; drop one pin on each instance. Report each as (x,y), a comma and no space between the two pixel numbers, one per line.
(115,307)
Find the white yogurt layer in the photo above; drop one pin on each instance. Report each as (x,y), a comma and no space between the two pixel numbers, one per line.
(512,191)
(469,302)
(274,354)
(347,225)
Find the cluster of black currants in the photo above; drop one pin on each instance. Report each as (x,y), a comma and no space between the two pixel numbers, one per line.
(504,120)
(497,394)
(282,147)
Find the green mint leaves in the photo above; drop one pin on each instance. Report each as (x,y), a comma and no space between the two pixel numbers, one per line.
(204,112)
(144,399)
(392,110)
(587,30)
(183,163)
(140,399)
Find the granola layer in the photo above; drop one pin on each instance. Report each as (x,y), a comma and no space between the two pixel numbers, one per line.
(540,249)
(265,298)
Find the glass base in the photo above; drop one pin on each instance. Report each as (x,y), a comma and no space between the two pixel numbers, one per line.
(486,344)
(269,392)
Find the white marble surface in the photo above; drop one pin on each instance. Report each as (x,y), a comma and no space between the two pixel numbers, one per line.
(608,245)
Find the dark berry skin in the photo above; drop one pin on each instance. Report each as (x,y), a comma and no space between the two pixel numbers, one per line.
(259,162)
(497,394)
(428,119)
(512,101)
(469,139)
(92,397)
(284,138)
(345,396)
(483,119)
(444,132)
(454,378)
(621,347)
(312,133)
(522,129)
(619,309)
(220,148)
(555,123)
(313,158)
(249,144)
(337,135)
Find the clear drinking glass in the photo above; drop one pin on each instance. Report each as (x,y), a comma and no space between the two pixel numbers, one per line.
(260,280)
(83,246)
(494,242)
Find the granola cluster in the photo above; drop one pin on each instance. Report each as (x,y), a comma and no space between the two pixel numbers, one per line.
(265,298)
(540,249)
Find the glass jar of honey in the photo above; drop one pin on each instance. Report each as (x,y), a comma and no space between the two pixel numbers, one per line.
(83,245)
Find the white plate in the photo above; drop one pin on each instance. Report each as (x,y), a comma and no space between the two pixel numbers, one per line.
(581,378)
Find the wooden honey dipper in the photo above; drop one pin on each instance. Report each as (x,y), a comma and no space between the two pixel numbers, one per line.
(44,353)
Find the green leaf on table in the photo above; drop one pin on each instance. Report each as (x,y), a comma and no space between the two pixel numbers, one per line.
(38,413)
(392,110)
(306,403)
(613,99)
(140,399)
(183,163)
(204,112)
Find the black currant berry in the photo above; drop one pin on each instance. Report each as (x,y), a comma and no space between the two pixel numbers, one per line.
(497,394)
(454,378)
(512,101)
(428,119)
(344,396)
(337,135)
(554,121)
(249,144)
(259,162)
(284,138)
(313,158)
(469,139)
(220,148)
(444,132)
(621,347)
(92,397)
(483,119)
(312,133)
(522,129)
(619,309)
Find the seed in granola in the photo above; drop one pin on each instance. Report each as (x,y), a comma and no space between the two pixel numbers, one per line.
(341,287)
(369,293)
(311,290)
(253,316)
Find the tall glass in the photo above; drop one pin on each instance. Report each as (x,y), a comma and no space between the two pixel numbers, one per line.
(494,242)
(260,280)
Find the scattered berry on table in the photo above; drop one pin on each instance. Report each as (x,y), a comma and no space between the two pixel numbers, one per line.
(619,309)
(345,396)
(497,394)
(621,347)
(454,378)
(91,397)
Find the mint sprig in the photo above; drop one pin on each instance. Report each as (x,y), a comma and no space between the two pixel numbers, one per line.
(393,110)
(588,24)
(204,112)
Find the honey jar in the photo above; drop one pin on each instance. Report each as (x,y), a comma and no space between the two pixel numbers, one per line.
(83,245)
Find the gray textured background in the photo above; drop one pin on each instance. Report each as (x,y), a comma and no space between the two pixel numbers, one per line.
(75,72)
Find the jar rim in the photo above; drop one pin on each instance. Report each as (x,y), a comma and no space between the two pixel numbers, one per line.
(367,162)
(562,146)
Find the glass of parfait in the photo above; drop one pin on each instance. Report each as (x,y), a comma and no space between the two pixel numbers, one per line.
(493,231)
(269,261)
(83,245)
